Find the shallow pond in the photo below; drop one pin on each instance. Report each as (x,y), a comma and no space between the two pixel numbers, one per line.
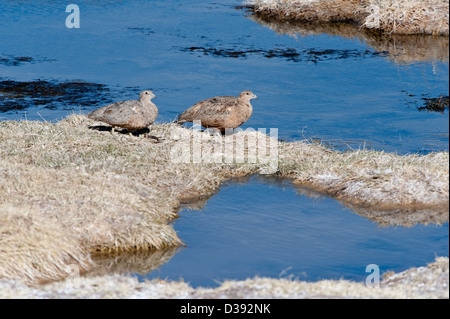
(338,86)
(266,227)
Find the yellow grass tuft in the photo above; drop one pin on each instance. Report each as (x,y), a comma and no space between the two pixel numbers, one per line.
(35,247)
(409,16)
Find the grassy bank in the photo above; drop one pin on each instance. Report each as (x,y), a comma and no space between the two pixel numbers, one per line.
(391,16)
(426,282)
(69,194)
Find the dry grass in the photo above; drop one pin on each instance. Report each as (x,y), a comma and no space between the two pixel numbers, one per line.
(393,16)
(81,192)
(107,192)
(416,283)
(409,16)
(35,246)
(369,178)
(312,10)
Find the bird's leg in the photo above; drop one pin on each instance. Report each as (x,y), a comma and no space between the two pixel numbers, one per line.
(147,134)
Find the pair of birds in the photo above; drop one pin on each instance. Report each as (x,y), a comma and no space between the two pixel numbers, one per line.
(220,112)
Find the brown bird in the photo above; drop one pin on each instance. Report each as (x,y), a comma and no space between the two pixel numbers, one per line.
(220,112)
(132,115)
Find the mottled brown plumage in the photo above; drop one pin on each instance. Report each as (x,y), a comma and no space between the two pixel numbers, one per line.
(131,115)
(220,112)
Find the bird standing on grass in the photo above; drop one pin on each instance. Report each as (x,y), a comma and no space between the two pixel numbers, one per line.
(131,115)
(220,112)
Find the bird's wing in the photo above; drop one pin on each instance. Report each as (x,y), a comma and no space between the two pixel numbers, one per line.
(218,107)
(118,113)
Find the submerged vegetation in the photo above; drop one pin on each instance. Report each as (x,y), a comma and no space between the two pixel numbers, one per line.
(290,54)
(16,95)
(69,193)
(9,60)
(439,104)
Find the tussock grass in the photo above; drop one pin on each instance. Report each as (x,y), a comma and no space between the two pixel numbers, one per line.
(312,10)
(35,246)
(392,16)
(370,178)
(110,192)
(409,16)
(87,192)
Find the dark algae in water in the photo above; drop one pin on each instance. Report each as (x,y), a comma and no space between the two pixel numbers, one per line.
(11,60)
(290,54)
(14,61)
(438,104)
(16,95)
(427,103)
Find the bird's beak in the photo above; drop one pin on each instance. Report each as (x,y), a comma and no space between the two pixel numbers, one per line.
(254,96)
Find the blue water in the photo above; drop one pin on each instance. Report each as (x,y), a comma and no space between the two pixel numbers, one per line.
(352,99)
(350,102)
(264,228)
